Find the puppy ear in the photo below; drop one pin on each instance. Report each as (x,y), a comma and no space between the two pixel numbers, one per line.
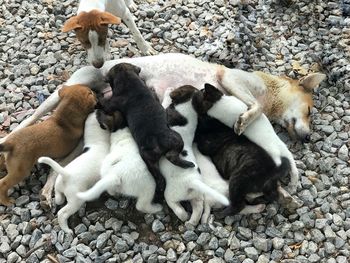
(311,81)
(136,69)
(108,18)
(212,93)
(71,24)
(182,94)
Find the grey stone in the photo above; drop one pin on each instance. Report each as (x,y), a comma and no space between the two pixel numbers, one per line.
(251,252)
(4,248)
(171,255)
(203,239)
(190,236)
(157,226)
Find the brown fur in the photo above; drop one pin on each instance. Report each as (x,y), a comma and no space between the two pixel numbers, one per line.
(275,104)
(93,20)
(55,137)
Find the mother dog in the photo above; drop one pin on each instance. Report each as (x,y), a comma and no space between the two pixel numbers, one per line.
(284,100)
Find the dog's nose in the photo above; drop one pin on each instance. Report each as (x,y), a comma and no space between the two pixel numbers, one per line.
(307,138)
(98,64)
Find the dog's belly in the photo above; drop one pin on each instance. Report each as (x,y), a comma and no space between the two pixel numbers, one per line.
(171,70)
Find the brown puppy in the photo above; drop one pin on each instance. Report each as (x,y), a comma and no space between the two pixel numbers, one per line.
(56,137)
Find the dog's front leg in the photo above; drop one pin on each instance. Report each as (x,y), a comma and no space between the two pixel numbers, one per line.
(46,192)
(116,103)
(242,93)
(127,18)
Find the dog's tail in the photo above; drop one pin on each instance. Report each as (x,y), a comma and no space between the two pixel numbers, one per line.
(198,185)
(94,192)
(54,165)
(4,147)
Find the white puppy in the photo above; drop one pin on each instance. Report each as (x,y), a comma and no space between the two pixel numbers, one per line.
(123,171)
(185,184)
(82,173)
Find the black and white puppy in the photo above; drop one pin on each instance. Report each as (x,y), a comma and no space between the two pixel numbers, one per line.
(185,184)
(146,119)
(246,165)
(227,110)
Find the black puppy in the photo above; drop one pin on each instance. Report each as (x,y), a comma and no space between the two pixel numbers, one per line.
(146,119)
(247,166)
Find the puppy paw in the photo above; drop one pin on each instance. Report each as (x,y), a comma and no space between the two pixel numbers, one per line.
(183,216)
(241,124)
(7,201)
(153,209)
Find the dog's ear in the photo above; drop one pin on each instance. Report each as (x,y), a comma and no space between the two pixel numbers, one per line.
(71,24)
(311,81)
(107,18)
(182,94)
(211,93)
(136,69)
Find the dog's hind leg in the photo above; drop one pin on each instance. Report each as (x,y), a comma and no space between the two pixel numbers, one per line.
(178,210)
(16,173)
(197,210)
(252,209)
(144,204)
(46,191)
(72,206)
(206,213)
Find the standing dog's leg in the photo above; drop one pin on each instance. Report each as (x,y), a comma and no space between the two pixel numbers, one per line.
(178,210)
(124,13)
(46,192)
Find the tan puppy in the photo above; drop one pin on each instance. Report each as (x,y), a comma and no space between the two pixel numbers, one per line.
(55,137)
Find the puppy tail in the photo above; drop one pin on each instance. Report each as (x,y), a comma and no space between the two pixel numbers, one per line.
(54,165)
(5,147)
(205,189)
(94,192)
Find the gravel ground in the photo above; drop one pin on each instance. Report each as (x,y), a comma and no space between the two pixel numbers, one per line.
(266,35)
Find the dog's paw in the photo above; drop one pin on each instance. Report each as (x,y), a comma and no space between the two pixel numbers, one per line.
(183,216)
(148,50)
(241,124)
(155,209)
(132,6)
(7,201)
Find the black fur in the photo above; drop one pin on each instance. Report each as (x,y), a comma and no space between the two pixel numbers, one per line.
(247,166)
(146,119)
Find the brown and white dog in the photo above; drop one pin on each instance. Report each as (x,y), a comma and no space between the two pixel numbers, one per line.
(92,20)
(56,137)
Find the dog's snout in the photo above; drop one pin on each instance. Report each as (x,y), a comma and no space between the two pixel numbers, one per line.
(306,138)
(98,64)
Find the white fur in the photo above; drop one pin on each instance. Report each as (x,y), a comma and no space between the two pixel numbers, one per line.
(186,184)
(260,132)
(123,171)
(82,172)
(212,178)
(119,8)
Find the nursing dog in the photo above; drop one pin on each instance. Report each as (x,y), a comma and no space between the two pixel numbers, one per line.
(55,137)
(123,171)
(283,100)
(82,173)
(247,167)
(185,184)
(146,119)
(227,110)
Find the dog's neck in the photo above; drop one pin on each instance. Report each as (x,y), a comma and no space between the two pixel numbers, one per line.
(274,101)
(88,5)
